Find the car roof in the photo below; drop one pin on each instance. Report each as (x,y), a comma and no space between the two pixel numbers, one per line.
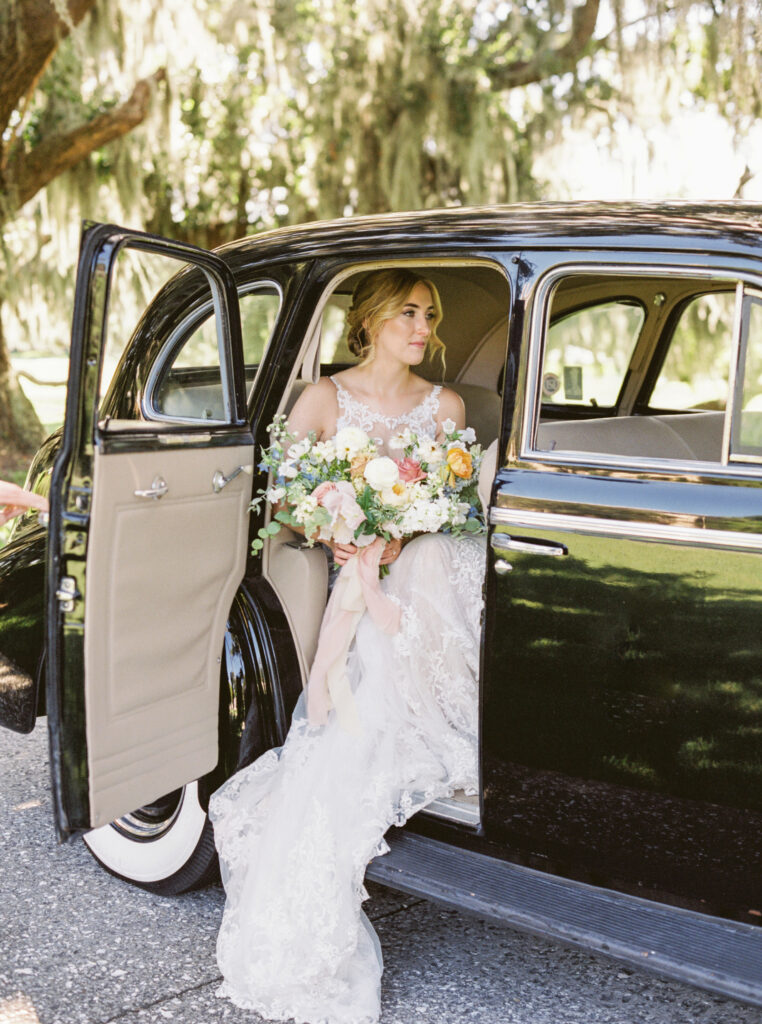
(675,224)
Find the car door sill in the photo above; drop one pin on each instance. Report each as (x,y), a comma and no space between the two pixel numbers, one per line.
(722,956)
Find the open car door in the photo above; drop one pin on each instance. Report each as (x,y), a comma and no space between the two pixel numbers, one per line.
(148,536)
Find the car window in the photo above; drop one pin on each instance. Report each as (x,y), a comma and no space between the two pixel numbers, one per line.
(587,352)
(696,368)
(670,335)
(188,384)
(746,436)
(136,279)
(333,332)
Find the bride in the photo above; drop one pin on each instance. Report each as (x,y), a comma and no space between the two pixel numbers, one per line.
(295,830)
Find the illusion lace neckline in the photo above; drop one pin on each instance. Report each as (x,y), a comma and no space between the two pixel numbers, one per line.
(355,408)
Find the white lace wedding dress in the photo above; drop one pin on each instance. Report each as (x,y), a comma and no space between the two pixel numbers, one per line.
(296,829)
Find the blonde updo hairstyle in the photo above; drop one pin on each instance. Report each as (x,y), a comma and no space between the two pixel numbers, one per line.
(379,296)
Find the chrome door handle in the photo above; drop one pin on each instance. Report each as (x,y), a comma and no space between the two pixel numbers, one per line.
(219,480)
(157,489)
(503,542)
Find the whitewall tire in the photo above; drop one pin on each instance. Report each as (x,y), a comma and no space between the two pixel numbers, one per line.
(167,847)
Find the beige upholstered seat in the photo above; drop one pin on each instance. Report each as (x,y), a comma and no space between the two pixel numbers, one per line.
(692,436)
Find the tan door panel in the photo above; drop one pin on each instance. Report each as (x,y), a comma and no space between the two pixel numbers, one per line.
(299,576)
(161,576)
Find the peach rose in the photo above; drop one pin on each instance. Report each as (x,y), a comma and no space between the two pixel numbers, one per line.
(357,465)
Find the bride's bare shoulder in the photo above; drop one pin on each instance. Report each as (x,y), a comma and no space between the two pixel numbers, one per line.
(315,409)
(451,407)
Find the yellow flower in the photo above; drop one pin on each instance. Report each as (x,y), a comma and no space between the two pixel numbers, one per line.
(459,464)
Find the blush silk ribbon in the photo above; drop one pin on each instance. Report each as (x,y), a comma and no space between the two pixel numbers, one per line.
(14,500)
(357,588)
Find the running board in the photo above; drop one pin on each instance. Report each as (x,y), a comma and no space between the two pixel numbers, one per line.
(712,953)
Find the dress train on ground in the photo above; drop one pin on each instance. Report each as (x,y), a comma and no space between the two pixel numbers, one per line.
(295,830)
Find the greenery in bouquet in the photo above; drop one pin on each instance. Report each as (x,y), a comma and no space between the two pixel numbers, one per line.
(343,490)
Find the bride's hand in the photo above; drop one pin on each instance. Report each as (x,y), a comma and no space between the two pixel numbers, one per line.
(391,552)
(342,552)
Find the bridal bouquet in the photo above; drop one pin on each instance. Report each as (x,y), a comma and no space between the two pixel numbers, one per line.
(342,490)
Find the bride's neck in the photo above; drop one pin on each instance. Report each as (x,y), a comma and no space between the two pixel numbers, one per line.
(385,378)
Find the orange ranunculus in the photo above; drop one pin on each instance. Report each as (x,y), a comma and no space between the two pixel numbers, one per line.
(459,463)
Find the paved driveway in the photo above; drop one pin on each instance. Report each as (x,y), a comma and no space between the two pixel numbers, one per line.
(79,947)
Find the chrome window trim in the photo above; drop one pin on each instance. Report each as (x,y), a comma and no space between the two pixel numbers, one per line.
(626,529)
(538,329)
(201,313)
(603,460)
(745,302)
(737,355)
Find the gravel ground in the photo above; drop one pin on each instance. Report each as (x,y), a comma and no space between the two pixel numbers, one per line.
(80,947)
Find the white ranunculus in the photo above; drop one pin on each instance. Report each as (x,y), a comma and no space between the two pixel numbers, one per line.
(381,473)
(395,496)
(349,441)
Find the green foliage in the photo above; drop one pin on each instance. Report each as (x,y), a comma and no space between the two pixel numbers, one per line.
(282,112)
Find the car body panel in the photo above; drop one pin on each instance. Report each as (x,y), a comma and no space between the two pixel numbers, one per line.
(621,738)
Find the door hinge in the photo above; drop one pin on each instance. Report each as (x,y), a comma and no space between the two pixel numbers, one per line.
(67,593)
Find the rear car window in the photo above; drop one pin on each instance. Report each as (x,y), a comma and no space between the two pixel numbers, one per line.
(587,353)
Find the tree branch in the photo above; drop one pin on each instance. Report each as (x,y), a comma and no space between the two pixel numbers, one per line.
(28,172)
(30,31)
(549,60)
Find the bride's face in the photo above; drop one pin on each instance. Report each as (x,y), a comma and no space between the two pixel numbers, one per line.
(405,336)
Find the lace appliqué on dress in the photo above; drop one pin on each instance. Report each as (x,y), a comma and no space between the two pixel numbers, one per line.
(422,419)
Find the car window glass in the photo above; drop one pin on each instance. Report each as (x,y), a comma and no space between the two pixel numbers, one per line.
(333,332)
(746,438)
(588,351)
(136,277)
(598,357)
(189,383)
(695,371)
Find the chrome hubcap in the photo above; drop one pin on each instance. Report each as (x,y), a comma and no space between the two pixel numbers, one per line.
(153,820)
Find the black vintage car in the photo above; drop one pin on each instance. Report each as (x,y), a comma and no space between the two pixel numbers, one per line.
(611,356)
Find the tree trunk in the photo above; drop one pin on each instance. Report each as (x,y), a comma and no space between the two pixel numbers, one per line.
(21,432)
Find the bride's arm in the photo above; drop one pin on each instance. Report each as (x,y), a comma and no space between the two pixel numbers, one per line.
(451,407)
(315,409)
